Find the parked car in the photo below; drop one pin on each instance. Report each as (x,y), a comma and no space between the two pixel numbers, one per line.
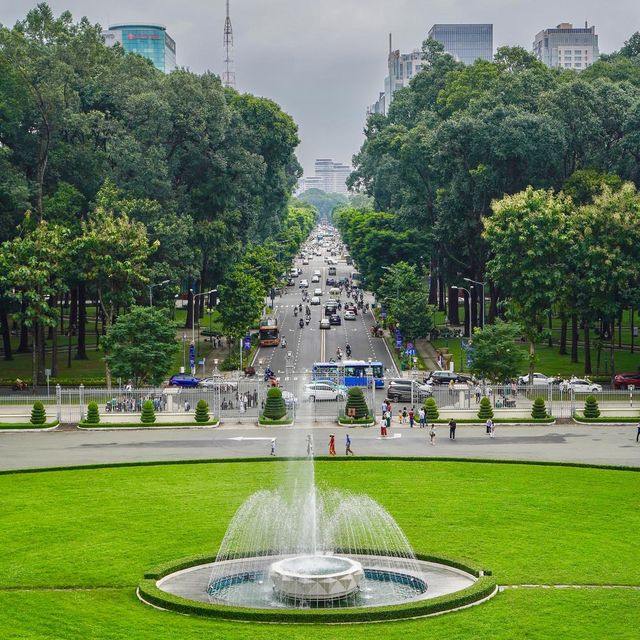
(539,380)
(184,380)
(400,389)
(625,380)
(303,284)
(335,319)
(444,377)
(315,300)
(322,391)
(325,323)
(581,385)
(349,315)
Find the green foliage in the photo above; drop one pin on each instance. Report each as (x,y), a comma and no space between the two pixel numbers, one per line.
(356,401)
(202,411)
(495,357)
(539,409)
(38,413)
(591,409)
(274,408)
(486,410)
(325,203)
(431,409)
(141,346)
(241,300)
(93,414)
(148,415)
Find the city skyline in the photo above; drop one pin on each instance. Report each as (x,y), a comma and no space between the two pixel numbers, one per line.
(324,64)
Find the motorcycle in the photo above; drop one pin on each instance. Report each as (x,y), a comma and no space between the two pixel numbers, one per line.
(295,312)
(339,354)
(301,323)
(300,307)
(308,319)
(20,385)
(283,343)
(348,351)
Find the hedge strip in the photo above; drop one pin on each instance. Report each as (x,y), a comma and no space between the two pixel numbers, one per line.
(608,419)
(478,421)
(28,425)
(142,425)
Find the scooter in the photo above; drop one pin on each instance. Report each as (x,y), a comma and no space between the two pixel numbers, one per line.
(308,319)
(295,311)
(301,323)
(348,351)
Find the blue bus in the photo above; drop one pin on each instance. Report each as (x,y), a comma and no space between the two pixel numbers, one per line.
(351,373)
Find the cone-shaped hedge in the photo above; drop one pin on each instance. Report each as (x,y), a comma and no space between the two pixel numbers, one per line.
(38,414)
(591,409)
(431,409)
(486,411)
(148,415)
(93,415)
(274,408)
(202,411)
(355,400)
(539,409)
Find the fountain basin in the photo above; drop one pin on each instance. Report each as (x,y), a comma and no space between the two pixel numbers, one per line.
(319,578)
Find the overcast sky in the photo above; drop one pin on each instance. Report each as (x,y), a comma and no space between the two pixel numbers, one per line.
(324,61)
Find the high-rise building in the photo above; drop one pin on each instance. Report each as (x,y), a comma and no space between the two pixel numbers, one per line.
(149,40)
(566,47)
(331,177)
(465,42)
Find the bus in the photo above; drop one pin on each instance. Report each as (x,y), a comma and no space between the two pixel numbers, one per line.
(269,332)
(351,373)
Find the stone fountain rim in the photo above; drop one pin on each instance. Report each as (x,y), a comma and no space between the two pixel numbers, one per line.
(350,565)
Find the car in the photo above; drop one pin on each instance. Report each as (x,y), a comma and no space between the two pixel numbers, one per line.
(400,390)
(294,273)
(445,377)
(626,380)
(349,315)
(315,278)
(325,323)
(335,385)
(334,292)
(335,319)
(539,380)
(315,300)
(184,380)
(317,291)
(331,282)
(291,282)
(321,391)
(305,260)
(317,273)
(290,400)
(350,306)
(303,284)
(218,381)
(581,385)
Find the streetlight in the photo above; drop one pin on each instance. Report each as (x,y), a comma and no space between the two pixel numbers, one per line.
(151,286)
(467,309)
(184,352)
(481,284)
(193,319)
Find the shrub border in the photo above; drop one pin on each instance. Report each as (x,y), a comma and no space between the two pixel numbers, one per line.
(344,421)
(27,426)
(482,589)
(86,426)
(520,421)
(281,422)
(607,420)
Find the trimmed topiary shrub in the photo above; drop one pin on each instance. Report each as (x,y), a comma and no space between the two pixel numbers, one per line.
(486,410)
(591,409)
(93,415)
(356,401)
(202,411)
(539,409)
(148,415)
(431,409)
(38,414)
(274,408)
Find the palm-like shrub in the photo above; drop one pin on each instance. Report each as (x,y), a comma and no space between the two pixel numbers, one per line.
(38,414)
(539,409)
(202,411)
(486,411)
(431,409)
(148,415)
(93,415)
(356,401)
(274,408)
(591,409)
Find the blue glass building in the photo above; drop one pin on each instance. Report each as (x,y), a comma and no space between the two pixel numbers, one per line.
(465,42)
(149,40)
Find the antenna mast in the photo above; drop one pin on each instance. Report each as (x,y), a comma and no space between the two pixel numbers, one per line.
(229,76)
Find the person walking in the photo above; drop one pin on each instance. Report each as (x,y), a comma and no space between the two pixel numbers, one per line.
(451,388)
(404,416)
(638,434)
(332,444)
(423,417)
(452,429)
(493,429)
(273,446)
(478,393)
(489,425)
(309,445)
(388,417)
(384,407)
(432,434)
(348,446)
(412,415)
(383,426)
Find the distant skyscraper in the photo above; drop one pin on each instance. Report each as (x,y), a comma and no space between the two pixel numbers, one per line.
(465,42)
(566,47)
(331,177)
(149,40)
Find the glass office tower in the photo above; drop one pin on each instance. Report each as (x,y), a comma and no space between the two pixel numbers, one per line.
(149,40)
(465,42)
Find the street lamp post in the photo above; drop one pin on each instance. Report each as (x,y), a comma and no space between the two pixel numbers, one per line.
(480,284)
(193,319)
(151,287)
(467,306)
(184,352)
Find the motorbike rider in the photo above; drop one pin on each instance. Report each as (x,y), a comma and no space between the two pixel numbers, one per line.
(307,320)
(295,311)
(348,350)
(300,307)
(301,323)
(283,343)
(339,353)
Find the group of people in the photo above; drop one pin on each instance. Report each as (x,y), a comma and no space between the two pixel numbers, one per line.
(309,445)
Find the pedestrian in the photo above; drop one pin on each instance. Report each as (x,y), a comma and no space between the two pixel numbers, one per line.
(489,425)
(332,444)
(432,434)
(383,425)
(452,429)
(423,417)
(273,446)
(187,406)
(309,445)
(384,407)
(389,410)
(451,388)
(404,415)
(638,434)
(348,446)
(478,393)
(493,429)
(388,417)
(412,415)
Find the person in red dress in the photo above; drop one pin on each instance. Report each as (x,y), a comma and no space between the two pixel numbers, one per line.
(332,444)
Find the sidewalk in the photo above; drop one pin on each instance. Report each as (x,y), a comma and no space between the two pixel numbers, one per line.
(426,351)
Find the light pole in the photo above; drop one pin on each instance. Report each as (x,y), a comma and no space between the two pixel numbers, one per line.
(151,286)
(193,317)
(467,307)
(184,352)
(481,284)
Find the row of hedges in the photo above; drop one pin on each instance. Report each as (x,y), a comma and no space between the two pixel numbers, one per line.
(28,425)
(148,415)
(141,425)
(347,421)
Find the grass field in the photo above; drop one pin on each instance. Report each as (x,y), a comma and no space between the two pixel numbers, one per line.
(77,542)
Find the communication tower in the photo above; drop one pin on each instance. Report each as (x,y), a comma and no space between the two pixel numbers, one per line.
(229,76)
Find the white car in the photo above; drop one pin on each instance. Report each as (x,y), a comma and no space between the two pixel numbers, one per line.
(581,385)
(218,381)
(305,260)
(317,291)
(539,380)
(304,284)
(317,273)
(325,323)
(315,300)
(289,399)
(349,315)
(315,278)
(322,391)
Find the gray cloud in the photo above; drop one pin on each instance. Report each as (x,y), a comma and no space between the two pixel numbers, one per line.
(324,61)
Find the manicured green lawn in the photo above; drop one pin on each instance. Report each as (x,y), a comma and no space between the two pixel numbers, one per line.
(98,530)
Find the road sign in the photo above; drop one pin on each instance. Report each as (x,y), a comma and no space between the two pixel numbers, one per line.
(410,352)
(192,355)
(410,346)
(399,343)
(247,343)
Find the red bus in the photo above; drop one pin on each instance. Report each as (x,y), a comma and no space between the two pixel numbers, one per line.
(269,332)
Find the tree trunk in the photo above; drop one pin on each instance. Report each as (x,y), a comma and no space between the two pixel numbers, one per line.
(468,327)
(575,334)
(454,313)
(532,360)
(34,356)
(473,308)
(550,338)
(493,305)
(189,320)
(6,333)
(442,303)
(587,348)
(41,355)
(612,352)
(81,326)
(620,330)
(632,336)
(433,283)
(23,347)
(563,334)
(53,302)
